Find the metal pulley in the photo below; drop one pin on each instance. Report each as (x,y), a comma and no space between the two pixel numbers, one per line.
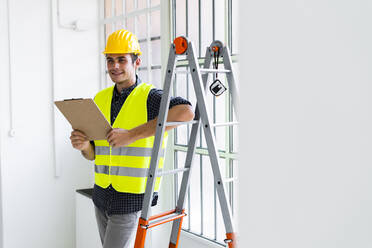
(217,87)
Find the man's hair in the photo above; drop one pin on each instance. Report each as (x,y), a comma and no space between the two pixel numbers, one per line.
(134,57)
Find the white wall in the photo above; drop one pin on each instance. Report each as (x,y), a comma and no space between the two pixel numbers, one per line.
(307,124)
(38,209)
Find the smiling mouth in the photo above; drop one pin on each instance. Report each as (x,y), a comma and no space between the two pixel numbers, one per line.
(117,73)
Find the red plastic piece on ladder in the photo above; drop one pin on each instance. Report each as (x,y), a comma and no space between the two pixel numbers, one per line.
(180,44)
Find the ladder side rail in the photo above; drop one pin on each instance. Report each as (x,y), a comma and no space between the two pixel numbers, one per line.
(212,150)
(176,227)
(160,129)
(193,137)
(231,79)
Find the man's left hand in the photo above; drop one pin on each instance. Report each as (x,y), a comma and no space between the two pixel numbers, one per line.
(118,137)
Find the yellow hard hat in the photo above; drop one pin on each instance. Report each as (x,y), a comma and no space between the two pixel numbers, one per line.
(122,41)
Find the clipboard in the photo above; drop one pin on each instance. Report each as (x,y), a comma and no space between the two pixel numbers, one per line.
(84,115)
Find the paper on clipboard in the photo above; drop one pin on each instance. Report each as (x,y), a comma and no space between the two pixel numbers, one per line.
(84,115)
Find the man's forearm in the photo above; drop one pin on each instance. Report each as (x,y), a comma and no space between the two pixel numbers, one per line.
(146,130)
(118,137)
(178,113)
(89,153)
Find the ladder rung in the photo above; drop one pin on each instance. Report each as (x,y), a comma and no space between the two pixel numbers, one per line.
(214,71)
(174,123)
(225,124)
(169,172)
(182,72)
(231,179)
(163,219)
(204,71)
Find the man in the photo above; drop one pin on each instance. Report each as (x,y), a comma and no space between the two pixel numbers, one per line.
(123,158)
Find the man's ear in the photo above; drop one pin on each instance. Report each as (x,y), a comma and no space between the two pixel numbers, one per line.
(138,62)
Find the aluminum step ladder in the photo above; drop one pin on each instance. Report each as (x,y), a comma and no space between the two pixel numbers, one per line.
(181,46)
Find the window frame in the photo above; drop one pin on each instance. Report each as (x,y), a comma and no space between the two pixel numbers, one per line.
(123,17)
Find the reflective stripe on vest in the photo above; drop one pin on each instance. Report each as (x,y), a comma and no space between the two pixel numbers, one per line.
(123,171)
(127,151)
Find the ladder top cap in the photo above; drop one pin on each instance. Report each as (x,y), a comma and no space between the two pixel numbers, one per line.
(216,45)
(180,45)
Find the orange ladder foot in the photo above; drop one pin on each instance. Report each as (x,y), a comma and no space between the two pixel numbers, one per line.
(141,233)
(231,240)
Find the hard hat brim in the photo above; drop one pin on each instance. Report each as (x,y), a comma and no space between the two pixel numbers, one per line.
(121,52)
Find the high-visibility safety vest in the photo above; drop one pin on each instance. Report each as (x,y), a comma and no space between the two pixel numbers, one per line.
(126,168)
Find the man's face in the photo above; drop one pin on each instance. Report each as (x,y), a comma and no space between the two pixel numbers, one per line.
(121,67)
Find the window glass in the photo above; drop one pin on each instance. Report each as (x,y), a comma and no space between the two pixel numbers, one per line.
(208,198)
(130,23)
(108,29)
(195,197)
(142,4)
(220,20)
(142,74)
(192,96)
(207,24)
(108,80)
(156,78)
(181,158)
(181,86)
(155,23)
(235,27)
(108,8)
(220,137)
(236,138)
(235,131)
(141,32)
(155,2)
(181,90)
(144,56)
(235,194)
(236,74)
(180,18)
(156,52)
(118,7)
(129,5)
(193,24)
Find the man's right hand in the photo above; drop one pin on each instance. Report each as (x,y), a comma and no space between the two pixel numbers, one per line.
(79,140)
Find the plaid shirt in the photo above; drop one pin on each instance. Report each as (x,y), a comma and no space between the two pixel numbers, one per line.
(108,199)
